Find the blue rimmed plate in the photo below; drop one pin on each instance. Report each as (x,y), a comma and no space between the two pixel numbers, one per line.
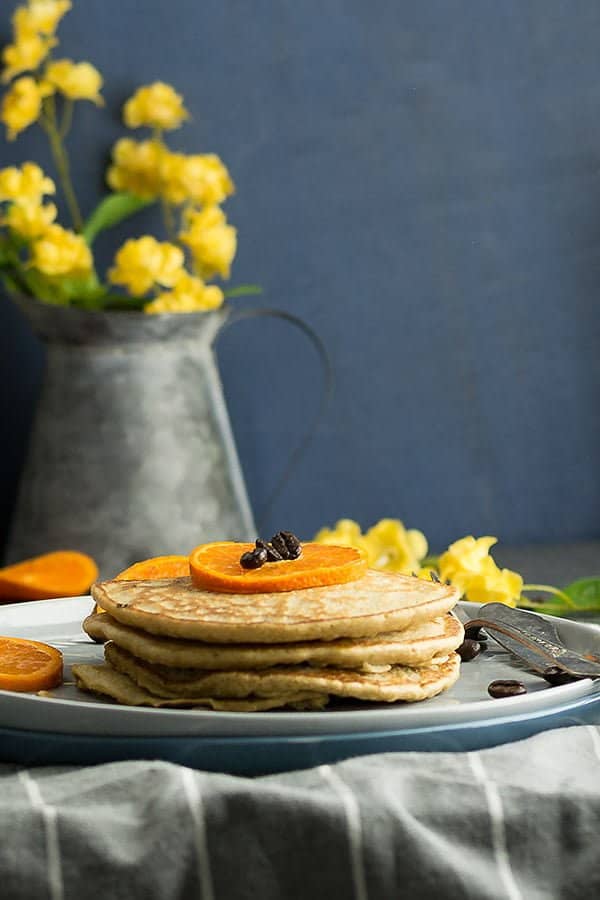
(73,727)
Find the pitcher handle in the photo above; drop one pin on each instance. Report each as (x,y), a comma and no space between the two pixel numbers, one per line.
(300,449)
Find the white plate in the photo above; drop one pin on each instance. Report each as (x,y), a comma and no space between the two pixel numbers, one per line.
(70,711)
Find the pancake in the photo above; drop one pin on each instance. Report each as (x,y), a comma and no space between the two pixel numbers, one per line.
(414,646)
(397,683)
(377,603)
(108,682)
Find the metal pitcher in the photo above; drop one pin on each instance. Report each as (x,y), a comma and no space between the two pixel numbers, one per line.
(131,453)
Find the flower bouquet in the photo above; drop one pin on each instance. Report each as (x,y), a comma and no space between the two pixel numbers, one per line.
(467,564)
(131,452)
(41,258)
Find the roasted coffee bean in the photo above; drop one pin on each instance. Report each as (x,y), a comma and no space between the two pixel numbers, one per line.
(253,559)
(273,555)
(279,544)
(554,675)
(475,633)
(469,649)
(294,547)
(506,688)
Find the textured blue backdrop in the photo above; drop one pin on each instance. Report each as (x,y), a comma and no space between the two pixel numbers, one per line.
(421,183)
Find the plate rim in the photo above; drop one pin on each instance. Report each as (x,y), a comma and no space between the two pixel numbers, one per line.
(509,709)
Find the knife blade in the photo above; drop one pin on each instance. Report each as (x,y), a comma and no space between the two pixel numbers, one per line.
(534,640)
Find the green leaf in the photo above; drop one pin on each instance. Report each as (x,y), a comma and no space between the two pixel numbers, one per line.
(110,211)
(243,290)
(585,593)
(42,288)
(85,292)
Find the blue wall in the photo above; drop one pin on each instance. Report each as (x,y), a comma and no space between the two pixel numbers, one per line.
(421,183)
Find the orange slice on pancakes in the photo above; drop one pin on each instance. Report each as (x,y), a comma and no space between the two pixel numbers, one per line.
(217,567)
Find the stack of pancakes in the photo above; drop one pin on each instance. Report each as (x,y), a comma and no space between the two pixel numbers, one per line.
(384,637)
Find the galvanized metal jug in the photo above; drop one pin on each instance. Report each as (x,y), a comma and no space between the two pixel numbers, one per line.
(131,453)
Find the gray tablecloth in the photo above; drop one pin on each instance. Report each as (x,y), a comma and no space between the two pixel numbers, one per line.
(517,821)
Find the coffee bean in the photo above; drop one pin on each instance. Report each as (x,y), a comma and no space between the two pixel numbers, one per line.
(469,649)
(279,544)
(506,688)
(253,559)
(294,547)
(475,633)
(554,675)
(273,555)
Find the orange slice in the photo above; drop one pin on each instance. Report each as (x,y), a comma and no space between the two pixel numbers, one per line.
(153,568)
(63,573)
(216,567)
(29,665)
(156,567)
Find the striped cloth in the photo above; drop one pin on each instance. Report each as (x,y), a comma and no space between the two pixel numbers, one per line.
(520,822)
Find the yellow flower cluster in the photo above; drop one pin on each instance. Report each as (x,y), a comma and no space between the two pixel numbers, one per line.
(55,251)
(142,264)
(189,294)
(137,168)
(149,169)
(60,252)
(27,183)
(40,17)
(388,545)
(211,240)
(34,26)
(24,190)
(76,81)
(156,106)
(145,264)
(33,35)
(29,220)
(21,106)
(468,565)
(197,182)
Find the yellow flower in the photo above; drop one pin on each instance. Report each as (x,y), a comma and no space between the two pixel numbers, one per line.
(61,252)
(388,545)
(25,55)
(77,81)
(345,531)
(21,106)
(189,294)
(493,585)
(40,17)
(136,167)
(468,565)
(200,178)
(212,241)
(25,184)
(465,555)
(155,105)
(142,263)
(392,547)
(29,219)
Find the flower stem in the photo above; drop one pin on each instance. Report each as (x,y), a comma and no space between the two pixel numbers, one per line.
(61,159)
(169,219)
(67,119)
(167,209)
(548,589)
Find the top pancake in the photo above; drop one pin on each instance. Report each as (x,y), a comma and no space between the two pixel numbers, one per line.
(378,602)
